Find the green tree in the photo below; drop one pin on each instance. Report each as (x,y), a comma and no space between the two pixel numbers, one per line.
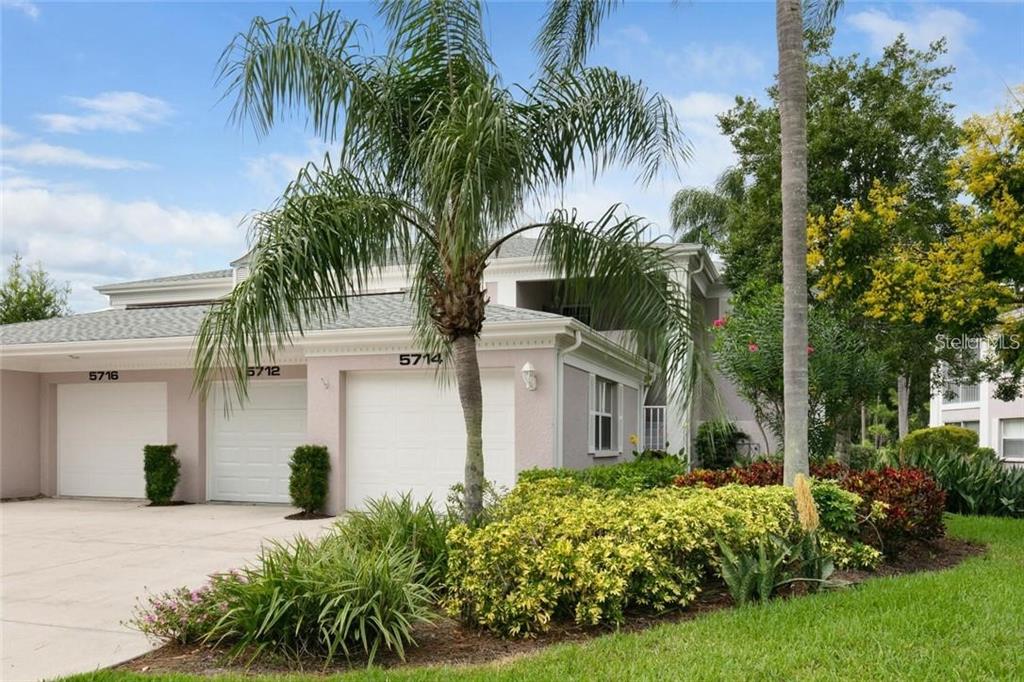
(437,160)
(843,373)
(28,294)
(868,121)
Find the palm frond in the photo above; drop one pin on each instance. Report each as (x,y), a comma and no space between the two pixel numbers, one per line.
(629,285)
(595,118)
(331,232)
(820,14)
(280,65)
(570,29)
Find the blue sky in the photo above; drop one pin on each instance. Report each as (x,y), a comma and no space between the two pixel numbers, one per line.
(119,161)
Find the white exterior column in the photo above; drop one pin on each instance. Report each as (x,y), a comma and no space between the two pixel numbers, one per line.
(988,430)
(678,417)
(325,423)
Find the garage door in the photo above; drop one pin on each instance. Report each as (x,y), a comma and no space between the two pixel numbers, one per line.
(248,450)
(404,432)
(101,430)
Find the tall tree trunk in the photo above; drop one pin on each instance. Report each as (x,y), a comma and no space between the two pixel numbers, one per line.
(467,376)
(903,404)
(863,423)
(793,117)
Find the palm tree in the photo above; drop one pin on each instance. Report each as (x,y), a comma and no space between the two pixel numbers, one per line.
(700,215)
(436,164)
(789,28)
(792,84)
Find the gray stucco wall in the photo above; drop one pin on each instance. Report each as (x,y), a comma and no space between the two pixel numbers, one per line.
(576,421)
(19,434)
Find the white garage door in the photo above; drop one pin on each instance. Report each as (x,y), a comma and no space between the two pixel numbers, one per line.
(404,432)
(247,451)
(101,430)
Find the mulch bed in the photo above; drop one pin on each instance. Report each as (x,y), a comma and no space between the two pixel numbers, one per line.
(172,503)
(307,516)
(448,642)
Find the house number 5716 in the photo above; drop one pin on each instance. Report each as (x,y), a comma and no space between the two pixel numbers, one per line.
(103,376)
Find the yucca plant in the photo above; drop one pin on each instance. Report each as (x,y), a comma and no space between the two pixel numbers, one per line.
(754,574)
(437,162)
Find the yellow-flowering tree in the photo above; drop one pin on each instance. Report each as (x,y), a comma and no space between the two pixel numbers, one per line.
(973,281)
(851,250)
(964,283)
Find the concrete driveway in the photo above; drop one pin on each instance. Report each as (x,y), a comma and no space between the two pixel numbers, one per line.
(72,570)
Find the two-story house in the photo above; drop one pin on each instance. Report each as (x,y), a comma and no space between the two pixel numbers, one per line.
(999,424)
(80,395)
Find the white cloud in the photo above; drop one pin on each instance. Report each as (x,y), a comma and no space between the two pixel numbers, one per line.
(90,239)
(8,133)
(633,35)
(42,154)
(711,151)
(272,172)
(925,27)
(715,61)
(29,9)
(119,112)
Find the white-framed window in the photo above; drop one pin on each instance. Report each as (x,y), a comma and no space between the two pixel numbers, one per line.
(1011,439)
(956,393)
(605,415)
(969,425)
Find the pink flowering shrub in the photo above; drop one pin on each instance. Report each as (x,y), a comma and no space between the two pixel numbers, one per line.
(183,615)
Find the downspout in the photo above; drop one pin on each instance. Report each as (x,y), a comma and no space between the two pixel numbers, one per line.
(559,391)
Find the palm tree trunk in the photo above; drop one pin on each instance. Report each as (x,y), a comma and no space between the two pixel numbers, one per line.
(467,376)
(903,404)
(793,118)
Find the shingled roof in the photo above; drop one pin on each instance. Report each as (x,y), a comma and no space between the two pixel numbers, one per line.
(365,312)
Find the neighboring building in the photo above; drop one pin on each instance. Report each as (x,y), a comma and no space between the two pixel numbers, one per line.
(999,424)
(81,395)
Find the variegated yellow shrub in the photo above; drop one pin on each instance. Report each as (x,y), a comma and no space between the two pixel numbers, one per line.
(558,549)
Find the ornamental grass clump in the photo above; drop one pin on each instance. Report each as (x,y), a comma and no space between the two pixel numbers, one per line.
(558,549)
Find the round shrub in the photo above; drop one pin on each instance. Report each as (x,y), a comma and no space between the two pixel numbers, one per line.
(913,501)
(862,456)
(559,549)
(307,486)
(162,470)
(717,444)
(640,474)
(943,439)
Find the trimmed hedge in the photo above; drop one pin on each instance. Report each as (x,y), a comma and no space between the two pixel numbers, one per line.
(640,474)
(948,440)
(558,549)
(913,500)
(307,485)
(162,470)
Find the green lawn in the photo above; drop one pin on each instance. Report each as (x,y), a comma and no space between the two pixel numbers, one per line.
(964,623)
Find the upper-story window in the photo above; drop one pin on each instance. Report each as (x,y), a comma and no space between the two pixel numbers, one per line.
(954,391)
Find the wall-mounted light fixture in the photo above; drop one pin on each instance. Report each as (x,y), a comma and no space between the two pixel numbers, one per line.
(530,376)
(325,382)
